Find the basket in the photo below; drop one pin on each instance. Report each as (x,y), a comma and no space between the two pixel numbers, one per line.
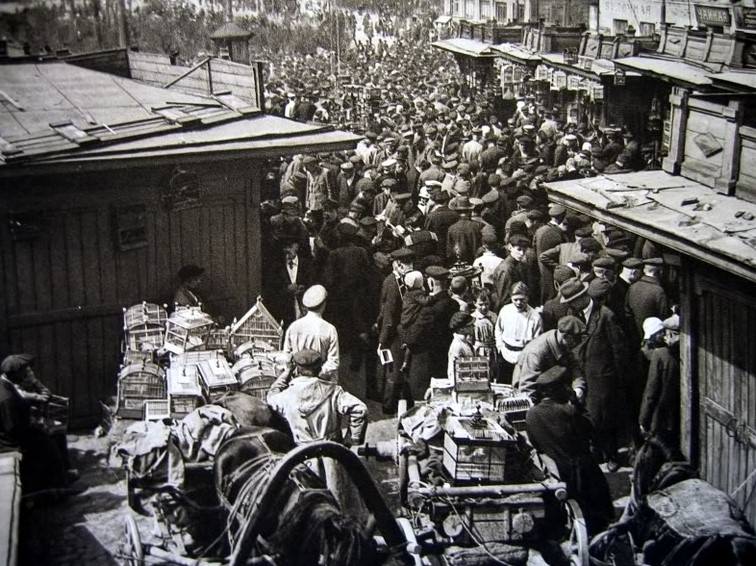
(475,454)
(136,383)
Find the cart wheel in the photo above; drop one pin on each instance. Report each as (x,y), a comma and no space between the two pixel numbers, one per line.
(133,552)
(578,542)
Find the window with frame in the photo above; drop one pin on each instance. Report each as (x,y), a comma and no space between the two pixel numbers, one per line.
(619,26)
(485,10)
(646,29)
(470,9)
(501,12)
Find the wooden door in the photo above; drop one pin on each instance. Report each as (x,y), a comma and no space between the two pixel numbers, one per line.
(726,352)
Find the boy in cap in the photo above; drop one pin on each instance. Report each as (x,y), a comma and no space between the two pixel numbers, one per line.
(461,325)
(512,270)
(560,429)
(516,325)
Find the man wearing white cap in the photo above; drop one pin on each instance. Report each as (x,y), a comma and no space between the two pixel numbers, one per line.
(312,332)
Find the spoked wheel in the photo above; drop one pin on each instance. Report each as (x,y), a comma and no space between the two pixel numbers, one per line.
(132,549)
(578,541)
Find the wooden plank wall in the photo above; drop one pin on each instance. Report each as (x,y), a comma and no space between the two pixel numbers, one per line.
(63,291)
(746,186)
(156,69)
(727,385)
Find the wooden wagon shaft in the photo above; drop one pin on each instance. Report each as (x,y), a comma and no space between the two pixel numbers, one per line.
(558,488)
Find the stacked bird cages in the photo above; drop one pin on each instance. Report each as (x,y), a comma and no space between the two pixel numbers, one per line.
(187,329)
(138,383)
(144,327)
(477,450)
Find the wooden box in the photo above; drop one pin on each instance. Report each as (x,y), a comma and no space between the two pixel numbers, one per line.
(216,377)
(187,329)
(137,383)
(258,327)
(479,454)
(184,391)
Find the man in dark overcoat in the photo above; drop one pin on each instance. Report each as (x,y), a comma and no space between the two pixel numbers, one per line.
(289,274)
(646,297)
(546,237)
(429,337)
(389,317)
(440,219)
(603,357)
(464,236)
(560,429)
(510,271)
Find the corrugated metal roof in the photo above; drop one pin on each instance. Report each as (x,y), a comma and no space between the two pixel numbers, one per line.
(667,68)
(714,228)
(464,46)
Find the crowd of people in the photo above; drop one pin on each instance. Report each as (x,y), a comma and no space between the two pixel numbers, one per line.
(434,239)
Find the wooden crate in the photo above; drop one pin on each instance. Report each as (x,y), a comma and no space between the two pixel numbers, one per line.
(480,455)
(136,383)
(216,377)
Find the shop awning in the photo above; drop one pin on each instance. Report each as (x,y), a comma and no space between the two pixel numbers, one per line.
(463,46)
(442,20)
(740,81)
(517,54)
(599,67)
(674,71)
(665,209)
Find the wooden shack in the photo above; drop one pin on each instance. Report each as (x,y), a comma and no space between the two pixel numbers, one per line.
(709,242)
(109,186)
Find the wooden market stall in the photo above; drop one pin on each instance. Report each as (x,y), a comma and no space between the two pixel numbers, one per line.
(109,186)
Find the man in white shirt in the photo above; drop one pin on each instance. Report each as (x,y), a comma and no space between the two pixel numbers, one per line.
(488,261)
(517,324)
(311,332)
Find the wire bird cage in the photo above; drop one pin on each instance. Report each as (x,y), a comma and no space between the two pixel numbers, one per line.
(187,329)
(144,327)
(216,377)
(255,375)
(258,327)
(184,391)
(136,384)
(472,374)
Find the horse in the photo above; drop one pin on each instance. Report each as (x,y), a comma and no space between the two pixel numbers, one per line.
(305,526)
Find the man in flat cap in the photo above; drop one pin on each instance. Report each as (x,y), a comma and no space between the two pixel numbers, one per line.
(464,236)
(316,409)
(660,408)
(512,270)
(440,219)
(559,428)
(646,297)
(565,252)
(312,332)
(346,183)
(552,348)
(547,237)
(43,464)
(603,356)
